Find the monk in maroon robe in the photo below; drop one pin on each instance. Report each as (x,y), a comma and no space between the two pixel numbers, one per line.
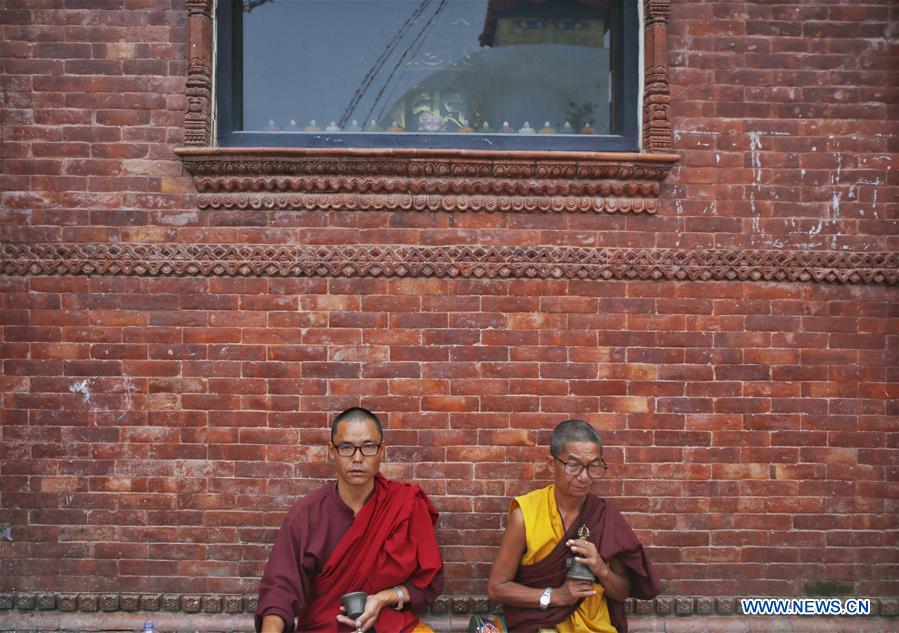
(361,533)
(551,526)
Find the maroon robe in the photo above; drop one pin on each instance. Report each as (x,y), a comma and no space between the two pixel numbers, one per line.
(300,568)
(613,538)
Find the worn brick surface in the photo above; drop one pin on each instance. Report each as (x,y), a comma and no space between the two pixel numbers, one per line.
(155,430)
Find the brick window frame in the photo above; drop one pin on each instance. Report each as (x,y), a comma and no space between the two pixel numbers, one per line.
(427,179)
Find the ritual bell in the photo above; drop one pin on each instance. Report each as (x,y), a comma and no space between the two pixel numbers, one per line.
(577,570)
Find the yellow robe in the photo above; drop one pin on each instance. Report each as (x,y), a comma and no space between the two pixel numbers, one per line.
(543,530)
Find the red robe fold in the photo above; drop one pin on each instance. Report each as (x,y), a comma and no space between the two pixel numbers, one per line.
(613,538)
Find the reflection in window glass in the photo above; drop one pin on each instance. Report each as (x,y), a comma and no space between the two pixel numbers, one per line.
(429,66)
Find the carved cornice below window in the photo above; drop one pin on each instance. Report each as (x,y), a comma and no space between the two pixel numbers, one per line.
(398,202)
(426,180)
(465,262)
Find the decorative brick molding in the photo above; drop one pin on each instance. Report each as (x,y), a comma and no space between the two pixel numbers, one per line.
(657,129)
(198,87)
(443,605)
(480,262)
(426,180)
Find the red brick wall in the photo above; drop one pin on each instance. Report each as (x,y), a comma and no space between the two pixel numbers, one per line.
(155,429)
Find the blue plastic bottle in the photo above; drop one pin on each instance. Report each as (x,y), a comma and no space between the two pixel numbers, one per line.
(149,627)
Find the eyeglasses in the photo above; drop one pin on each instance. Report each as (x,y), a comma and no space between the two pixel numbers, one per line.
(369,449)
(594,471)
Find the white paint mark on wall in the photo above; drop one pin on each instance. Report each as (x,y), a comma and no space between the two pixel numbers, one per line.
(180,219)
(835,204)
(817,229)
(129,389)
(755,144)
(82,387)
(835,181)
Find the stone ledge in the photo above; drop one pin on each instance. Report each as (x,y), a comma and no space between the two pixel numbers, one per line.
(58,622)
(446,605)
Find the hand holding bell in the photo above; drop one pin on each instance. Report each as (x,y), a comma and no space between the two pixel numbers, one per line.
(576,569)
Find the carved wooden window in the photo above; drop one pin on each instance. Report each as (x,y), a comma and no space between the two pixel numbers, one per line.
(487,74)
(607,168)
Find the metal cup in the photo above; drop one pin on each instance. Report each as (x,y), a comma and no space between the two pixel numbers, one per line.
(354,603)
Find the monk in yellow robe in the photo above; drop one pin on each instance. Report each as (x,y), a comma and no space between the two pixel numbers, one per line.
(563,522)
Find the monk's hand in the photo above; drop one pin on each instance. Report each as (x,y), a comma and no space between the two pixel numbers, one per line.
(364,622)
(571,591)
(585,552)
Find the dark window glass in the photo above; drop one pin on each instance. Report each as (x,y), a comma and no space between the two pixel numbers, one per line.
(445,73)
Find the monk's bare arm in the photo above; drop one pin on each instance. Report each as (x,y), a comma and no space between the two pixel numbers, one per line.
(503,589)
(389,597)
(615,580)
(272,624)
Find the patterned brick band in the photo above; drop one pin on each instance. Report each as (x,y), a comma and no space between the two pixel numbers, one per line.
(467,262)
(459,605)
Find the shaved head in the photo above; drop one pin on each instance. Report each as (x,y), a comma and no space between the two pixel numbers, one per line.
(356,414)
(573,431)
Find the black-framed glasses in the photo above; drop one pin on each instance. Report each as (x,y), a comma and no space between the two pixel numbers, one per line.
(573,469)
(369,449)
